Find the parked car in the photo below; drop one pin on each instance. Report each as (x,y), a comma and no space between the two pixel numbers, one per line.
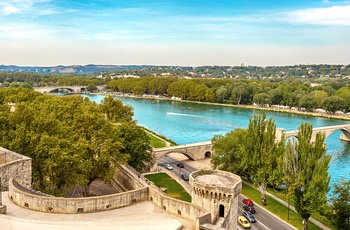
(180,165)
(250,209)
(248,202)
(249,216)
(243,222)
(184,177)
(168,166)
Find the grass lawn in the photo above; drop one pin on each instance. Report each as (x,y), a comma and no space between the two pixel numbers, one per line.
(276,208)
(156,142)
(169,186)
(282,195)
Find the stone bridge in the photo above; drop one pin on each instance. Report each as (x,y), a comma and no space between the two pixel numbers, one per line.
(70,89)
(327,130)
(195,151)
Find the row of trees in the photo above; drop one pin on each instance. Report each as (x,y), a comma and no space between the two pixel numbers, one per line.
(295,71)
(299,165)
(37,80)
(331,96)
(72,140)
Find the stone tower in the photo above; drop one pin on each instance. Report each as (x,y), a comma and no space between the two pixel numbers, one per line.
(217,192)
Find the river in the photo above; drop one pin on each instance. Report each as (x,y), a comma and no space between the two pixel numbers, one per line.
(186,122)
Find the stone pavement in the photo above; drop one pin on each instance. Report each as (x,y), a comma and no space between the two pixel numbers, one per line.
(141,216)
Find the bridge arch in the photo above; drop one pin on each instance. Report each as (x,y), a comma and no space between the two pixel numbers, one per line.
(173,151)
(195,151)
(328,130)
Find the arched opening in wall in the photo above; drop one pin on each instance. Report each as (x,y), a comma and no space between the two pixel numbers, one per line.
(207,154)
(176,160)
(221,210)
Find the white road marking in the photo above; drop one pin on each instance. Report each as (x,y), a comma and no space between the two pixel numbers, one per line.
(263,225)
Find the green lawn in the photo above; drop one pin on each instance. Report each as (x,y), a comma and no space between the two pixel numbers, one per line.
(276,208)
(169,186)
(156,142)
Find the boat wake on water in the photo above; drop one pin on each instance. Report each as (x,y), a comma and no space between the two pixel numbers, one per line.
(182,114)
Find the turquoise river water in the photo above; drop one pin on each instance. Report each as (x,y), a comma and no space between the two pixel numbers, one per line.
(186,122)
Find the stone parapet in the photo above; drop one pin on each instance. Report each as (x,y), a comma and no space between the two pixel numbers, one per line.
(21,197)
(17,166)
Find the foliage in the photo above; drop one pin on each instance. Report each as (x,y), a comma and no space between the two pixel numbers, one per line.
(136,145)
(69,139)
(228,153)
(334,103)
(261,154)
(340,203)
(252,151)
(305,169)
(115,111)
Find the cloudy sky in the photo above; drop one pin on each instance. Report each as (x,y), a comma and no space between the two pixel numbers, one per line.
(174,32)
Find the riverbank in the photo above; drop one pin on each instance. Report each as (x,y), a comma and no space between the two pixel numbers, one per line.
(313,114)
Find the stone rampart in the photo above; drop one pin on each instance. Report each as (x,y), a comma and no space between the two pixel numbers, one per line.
(127,179)
(17,166)
(178,207)
(23,198)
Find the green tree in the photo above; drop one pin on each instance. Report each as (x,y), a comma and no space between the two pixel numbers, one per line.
(262,99)
(320,95)
(91,88)
(261,154)
(115,111)
(308,102)
(228,153)
(340,202)
(305,171)
(136,145)
(276,96)
(69,138)
(334,103)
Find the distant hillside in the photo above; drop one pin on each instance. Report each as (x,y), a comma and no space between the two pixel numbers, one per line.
(80,69)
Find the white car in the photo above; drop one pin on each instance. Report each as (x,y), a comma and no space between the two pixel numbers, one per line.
(168,166)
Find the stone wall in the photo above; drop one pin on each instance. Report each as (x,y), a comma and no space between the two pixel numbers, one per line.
(23,198)
(178,207)
(127,179)
(17,166)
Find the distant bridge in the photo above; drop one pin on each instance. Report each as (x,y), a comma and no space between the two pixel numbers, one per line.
(70,89)
(327,130)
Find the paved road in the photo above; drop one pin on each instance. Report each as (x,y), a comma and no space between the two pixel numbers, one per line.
(265,220)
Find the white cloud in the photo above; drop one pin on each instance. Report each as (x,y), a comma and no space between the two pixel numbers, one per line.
(335,15)
(17,6)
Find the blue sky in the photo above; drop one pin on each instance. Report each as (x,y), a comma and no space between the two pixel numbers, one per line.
(184,32)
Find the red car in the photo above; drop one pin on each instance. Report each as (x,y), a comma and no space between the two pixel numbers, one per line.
(248,202)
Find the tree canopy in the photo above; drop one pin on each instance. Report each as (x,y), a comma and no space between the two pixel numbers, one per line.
(305,171)
(340,204)
(69,138)
(252,152)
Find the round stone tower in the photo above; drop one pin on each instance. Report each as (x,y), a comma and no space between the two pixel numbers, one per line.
(217,192)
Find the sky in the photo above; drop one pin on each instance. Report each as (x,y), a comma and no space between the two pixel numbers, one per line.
(177,33)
